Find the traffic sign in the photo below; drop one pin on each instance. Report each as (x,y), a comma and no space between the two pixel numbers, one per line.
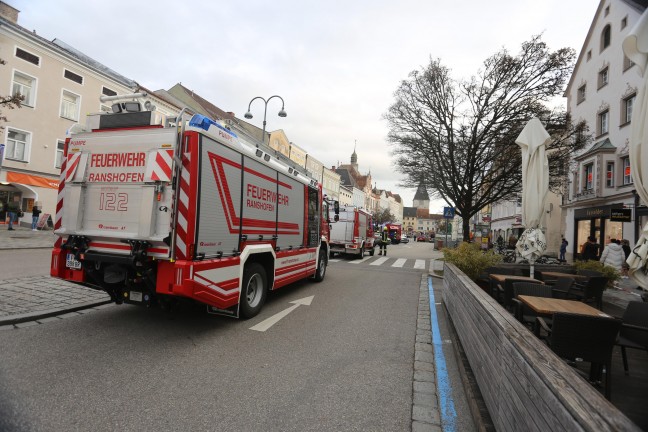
(448,212)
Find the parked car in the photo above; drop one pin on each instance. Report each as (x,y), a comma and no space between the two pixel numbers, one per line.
(421,239)
(404,240)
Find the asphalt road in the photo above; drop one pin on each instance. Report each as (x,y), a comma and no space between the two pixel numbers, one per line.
(342,363)
(15,263)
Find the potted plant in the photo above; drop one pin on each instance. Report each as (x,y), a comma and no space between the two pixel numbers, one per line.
(470,259)
(609,272)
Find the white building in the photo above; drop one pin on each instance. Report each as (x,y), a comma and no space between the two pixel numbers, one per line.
(602,92)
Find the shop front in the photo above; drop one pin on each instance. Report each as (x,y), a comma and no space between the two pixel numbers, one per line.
(602,222)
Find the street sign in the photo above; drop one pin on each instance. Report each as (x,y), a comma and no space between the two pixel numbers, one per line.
(448,212)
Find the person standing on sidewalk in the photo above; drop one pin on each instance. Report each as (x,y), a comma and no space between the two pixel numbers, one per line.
(563,250)
(35,215)
(384,239)
(12,211)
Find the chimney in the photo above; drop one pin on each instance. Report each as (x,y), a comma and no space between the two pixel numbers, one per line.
(9,13)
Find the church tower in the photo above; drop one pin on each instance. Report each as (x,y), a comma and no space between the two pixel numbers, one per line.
(354,158)
(421,198)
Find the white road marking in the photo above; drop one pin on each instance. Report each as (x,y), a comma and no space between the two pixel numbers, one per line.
(399,262)
(419,264)
(379,261)
(269,322)
(358,261)
(334,260)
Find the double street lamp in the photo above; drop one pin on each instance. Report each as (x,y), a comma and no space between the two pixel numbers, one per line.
(282,113)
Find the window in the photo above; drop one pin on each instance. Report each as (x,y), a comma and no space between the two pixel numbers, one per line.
(606,37)
(31,58)
(26,86)
(73,77)
(106,91)
(607,11)
(60,146)
(105,108)
(624,23)
(589,176)
(603,122)
(17,144)
(580,96)
(589,55)
(627,176)
(603,77)
(627,63)
(70,105)
(626,109)
(609,174)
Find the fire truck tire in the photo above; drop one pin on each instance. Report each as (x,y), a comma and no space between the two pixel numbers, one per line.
(372,251)
(361,254)
(254,290)
(322,263)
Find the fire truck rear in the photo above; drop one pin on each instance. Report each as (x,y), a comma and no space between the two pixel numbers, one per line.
(353,233)
(152,210)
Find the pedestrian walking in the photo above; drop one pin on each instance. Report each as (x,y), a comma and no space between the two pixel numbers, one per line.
(563,250)
(384,239)
(625,244)
(613,255)
(35,215)
(589,251)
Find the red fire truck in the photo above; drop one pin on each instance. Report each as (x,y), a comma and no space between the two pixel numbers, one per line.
(353,233)
(152,210)
(395,232)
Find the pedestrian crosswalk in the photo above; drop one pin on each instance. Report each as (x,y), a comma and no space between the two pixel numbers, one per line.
(417,264)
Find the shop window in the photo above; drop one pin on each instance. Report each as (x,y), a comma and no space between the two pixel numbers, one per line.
(609,175)
(627,175)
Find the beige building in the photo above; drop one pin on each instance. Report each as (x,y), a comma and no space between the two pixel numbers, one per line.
(60,86)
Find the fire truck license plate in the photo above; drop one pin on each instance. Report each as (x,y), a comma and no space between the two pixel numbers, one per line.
(136,296)
(70,262)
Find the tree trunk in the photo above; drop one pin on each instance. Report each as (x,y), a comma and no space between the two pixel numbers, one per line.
(465,222)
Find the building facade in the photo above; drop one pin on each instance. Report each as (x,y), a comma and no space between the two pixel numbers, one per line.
(602,92)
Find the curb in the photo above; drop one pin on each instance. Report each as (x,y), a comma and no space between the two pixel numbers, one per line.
(33,316)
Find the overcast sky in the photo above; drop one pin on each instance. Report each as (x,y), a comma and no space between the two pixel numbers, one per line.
(335,63)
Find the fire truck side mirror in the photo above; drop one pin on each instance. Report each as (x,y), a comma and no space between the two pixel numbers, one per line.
(336,217)
(336,207)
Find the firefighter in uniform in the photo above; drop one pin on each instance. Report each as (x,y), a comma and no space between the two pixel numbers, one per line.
(384,240)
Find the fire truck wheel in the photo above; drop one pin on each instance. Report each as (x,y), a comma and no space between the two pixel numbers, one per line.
(254,290)
(372,251)
(361,254)
(322,262)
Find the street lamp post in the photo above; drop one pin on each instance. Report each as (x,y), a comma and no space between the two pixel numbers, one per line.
(282,112)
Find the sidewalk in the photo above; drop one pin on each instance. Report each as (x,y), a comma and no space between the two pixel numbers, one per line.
(34,299)
(25,238)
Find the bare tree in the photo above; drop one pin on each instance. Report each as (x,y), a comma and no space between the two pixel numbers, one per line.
(458,137)
(381,217)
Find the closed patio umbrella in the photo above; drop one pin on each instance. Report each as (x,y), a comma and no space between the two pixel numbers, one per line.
(535,186)
(635,47)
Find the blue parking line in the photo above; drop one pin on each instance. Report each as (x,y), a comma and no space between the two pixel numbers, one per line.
(446,402)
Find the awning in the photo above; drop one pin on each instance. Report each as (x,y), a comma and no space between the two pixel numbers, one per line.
(28,179)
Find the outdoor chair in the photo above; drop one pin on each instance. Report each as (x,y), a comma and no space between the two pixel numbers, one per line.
(590,292)
(562,286)
(585,337)
(634,330)
(522,312)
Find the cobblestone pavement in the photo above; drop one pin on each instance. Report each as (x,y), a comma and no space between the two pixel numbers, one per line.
(30,300)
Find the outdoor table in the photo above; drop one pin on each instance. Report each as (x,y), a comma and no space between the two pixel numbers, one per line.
(549,306)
